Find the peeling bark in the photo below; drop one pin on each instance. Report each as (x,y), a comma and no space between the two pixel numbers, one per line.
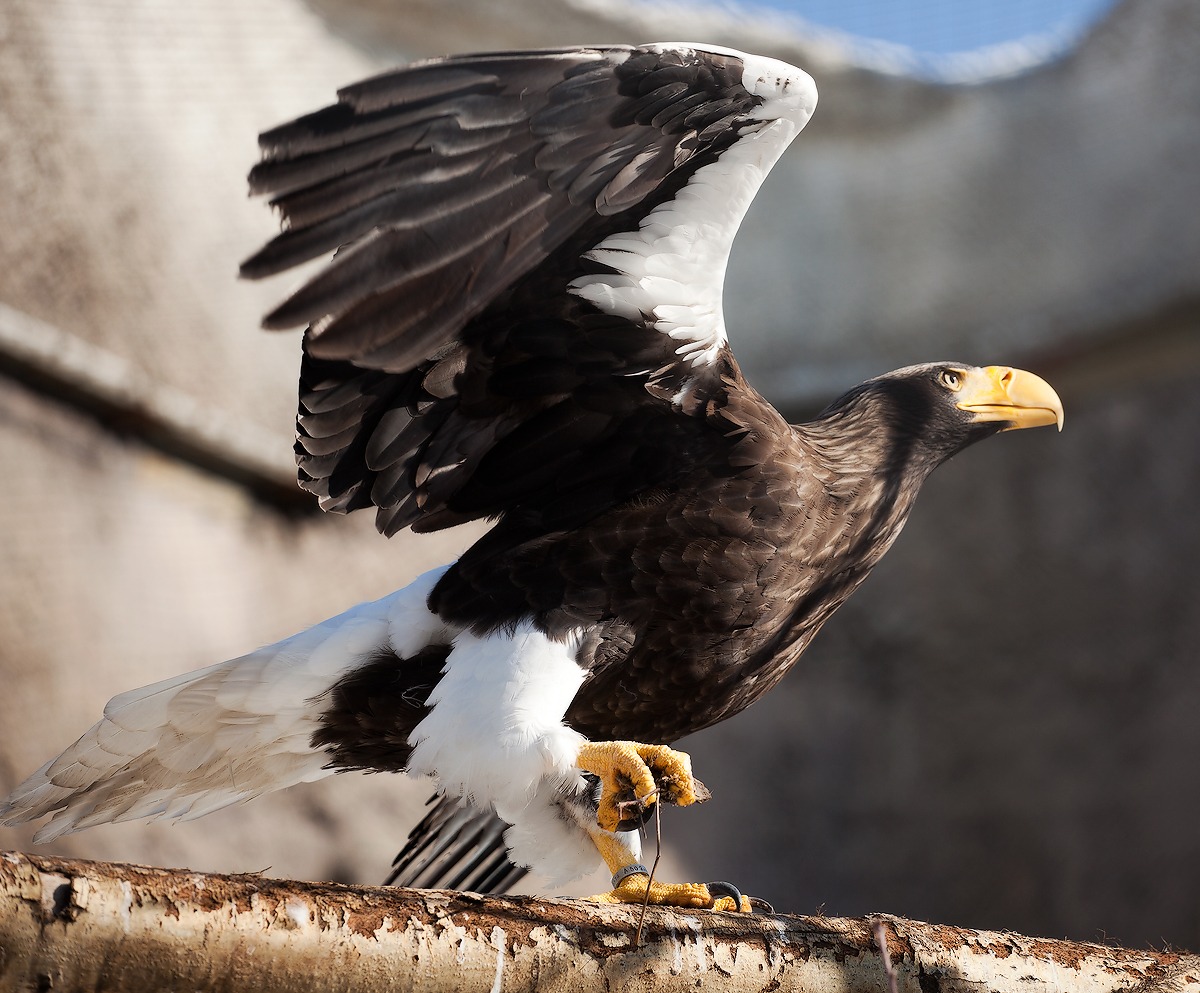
(76,925)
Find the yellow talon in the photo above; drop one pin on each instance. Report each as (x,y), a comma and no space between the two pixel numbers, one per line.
(632,771)
(632,889)
(631,881)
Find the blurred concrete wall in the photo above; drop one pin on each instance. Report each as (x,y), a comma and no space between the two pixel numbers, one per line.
(1000,730)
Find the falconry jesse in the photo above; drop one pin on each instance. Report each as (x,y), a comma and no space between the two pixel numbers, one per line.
(522,323)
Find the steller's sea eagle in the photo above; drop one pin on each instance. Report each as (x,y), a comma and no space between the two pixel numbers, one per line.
(522,323)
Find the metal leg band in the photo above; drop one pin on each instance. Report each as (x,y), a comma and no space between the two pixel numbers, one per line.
(630,870)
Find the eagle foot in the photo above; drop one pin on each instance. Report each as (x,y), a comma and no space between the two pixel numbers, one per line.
(637,888)
(633,776)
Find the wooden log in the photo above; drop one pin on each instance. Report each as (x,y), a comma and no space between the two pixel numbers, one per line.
(68,924)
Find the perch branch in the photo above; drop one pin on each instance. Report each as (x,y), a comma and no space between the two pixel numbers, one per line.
(76,925)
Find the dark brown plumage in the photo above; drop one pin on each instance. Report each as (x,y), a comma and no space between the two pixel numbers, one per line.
(451,375)
(522,324)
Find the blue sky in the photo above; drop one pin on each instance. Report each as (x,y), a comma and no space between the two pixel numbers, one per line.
(940,27)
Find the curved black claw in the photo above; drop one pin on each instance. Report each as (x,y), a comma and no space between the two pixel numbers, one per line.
(720,888)
(760,906)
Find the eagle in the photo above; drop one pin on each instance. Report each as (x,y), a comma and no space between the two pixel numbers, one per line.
(519,320)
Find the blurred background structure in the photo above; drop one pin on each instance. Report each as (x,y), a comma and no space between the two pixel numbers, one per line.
(1001,730)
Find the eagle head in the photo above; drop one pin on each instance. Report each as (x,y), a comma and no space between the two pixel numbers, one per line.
(924,414)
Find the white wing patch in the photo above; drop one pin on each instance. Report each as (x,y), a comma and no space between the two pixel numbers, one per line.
(671,271)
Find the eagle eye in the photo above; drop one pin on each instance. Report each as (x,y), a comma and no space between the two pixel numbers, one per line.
(952,379)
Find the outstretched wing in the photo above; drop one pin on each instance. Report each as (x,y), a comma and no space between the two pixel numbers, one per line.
(530,251)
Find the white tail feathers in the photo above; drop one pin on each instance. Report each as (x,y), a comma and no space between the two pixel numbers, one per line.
(194,743)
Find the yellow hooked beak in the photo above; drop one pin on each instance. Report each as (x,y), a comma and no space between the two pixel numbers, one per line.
(1019,398)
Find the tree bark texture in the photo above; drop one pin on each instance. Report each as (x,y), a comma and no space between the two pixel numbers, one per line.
(67,924)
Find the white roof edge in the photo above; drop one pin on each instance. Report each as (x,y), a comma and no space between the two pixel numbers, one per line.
(753,25)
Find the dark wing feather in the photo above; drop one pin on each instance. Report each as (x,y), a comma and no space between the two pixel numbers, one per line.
(457,847)
(449,374)
(458,135)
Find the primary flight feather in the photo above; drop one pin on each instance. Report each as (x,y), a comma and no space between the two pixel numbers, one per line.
(522,322)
